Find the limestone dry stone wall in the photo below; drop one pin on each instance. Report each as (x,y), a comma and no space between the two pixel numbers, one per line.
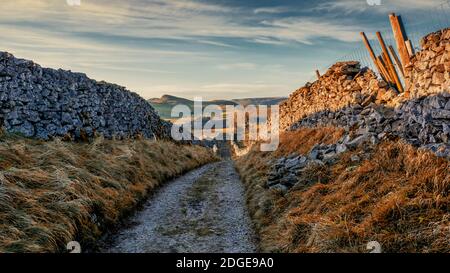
(354,98)
(423,122)
(429,72)
(370,111)
(344,84)
(44,103)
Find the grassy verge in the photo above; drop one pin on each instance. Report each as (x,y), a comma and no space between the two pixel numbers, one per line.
(54,192)
(399,197)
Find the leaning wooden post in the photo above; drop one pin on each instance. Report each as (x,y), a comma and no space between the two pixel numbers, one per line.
(410,48)
(318,74)
(400,40)
(383,69)
(397,61)
(385,61)
(389,63)
(372,55)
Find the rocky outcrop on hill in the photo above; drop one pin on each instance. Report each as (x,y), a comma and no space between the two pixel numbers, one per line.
(44,103)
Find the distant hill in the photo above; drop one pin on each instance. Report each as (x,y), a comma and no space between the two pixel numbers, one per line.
(168,99)
(165,104)
(260,101)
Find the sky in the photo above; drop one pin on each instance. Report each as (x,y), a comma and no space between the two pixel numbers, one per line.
(215,49)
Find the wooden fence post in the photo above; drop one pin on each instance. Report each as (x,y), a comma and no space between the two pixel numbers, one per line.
(410,48)
(389,64)
(400,40)
(372,55)
(383,69)
(397,61)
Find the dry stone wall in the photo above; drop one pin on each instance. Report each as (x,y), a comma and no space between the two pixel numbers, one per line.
(429,72)
(370,111)
(357,100)
(44,103)
(422,122)
(344,84)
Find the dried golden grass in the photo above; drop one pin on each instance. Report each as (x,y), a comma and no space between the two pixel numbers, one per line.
(301,141)
(54,192)
(399,197)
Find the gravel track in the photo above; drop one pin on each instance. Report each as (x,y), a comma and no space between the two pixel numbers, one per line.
(203,211)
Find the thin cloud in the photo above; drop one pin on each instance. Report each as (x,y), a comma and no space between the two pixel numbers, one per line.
(359,6)
(242,66)
(215,43)
(272,10)
(171,19)
(306,30)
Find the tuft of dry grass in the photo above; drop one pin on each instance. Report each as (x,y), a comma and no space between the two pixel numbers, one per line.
(399,197)
(301,141)
(54,192)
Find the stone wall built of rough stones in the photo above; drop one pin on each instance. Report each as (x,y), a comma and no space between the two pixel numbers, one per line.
(44,103)
(346,85)
(429,72)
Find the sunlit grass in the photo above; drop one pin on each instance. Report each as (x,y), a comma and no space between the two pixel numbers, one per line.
(398,197)
(54,192)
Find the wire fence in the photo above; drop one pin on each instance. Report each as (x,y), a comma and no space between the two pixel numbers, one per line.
(416,26)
